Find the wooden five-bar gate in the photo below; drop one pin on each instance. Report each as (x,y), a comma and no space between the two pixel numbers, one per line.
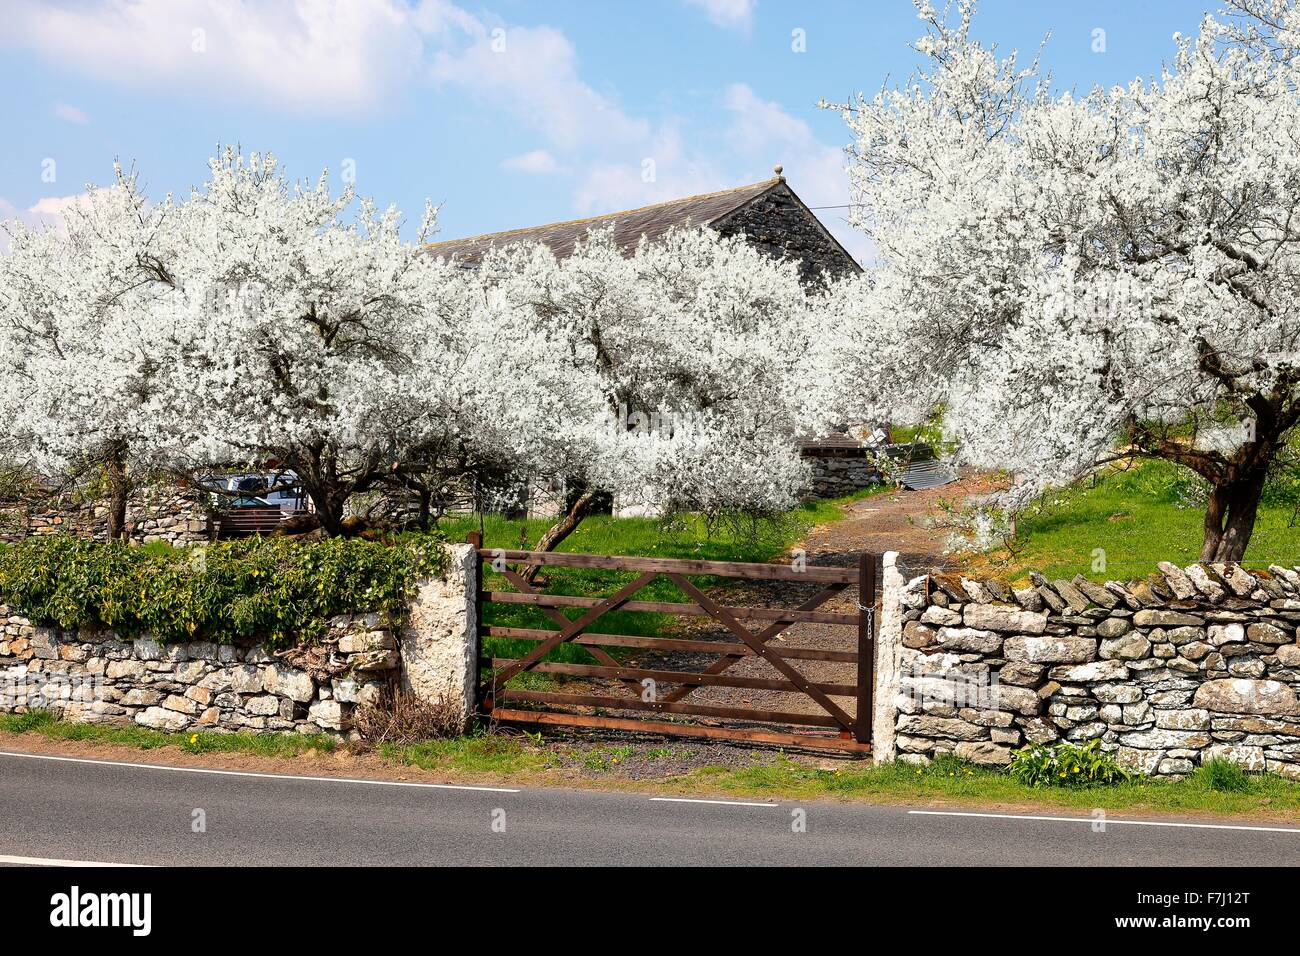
(628,698)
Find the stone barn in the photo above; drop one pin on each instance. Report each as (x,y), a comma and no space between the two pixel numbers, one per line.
(770,214)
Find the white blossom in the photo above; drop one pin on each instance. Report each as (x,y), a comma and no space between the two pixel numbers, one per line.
(1067,278)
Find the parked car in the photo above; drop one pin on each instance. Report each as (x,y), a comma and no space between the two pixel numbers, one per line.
(254,489)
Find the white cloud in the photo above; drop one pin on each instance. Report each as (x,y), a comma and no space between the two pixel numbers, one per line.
(47,211)
(50,210)
(55,206)
(537,161)
(662,169)
(759,136)
(733,14)
(336,55)
(354,55)
(70,114)
(531,73)
(764,132)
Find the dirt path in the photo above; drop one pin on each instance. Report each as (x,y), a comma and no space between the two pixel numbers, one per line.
(896,521)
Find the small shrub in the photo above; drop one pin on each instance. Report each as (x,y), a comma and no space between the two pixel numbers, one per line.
(1222,776)
(1066,765)
(400,717)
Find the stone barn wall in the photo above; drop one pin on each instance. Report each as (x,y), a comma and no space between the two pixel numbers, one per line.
(1191,664)
(836,474)
(780,225)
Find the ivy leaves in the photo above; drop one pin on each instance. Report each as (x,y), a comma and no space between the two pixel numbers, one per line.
(274,590)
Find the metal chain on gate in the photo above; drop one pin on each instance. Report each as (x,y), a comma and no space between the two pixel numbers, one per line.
(870,612)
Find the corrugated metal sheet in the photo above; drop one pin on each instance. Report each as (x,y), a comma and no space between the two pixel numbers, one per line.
(926,474)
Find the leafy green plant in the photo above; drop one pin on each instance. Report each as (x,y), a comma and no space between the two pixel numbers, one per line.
(1066,765)
(1221,776)
(274,589)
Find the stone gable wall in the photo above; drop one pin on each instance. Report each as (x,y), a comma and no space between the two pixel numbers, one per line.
(780,226)
(1190,664)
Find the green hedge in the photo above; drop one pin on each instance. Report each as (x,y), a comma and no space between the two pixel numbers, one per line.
(273,589)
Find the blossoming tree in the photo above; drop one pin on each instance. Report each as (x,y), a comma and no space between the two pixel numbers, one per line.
(334,349)
(1078,278)
(257,324)
(703,353)
(83,370)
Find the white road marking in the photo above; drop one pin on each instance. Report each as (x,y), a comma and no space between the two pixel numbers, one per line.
(45,861)
(1108,821)
(722,803)
(264,776)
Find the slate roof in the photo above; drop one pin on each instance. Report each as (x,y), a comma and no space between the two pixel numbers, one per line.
(629,225)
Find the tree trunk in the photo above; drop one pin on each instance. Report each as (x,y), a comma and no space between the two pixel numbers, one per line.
(1215,508)
(426,507)
(118,488)
(1230,518)
(317,468)
(329,507)
(562,529)
(330,513)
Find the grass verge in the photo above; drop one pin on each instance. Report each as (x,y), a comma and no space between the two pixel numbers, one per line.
(950,780)
(1212,790)
(50,726)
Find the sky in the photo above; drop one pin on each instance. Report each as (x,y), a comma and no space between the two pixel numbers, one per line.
(506,113)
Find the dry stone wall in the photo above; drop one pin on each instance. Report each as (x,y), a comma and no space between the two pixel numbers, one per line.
(837,475)
(155,514)
(96,676)
(1191,664)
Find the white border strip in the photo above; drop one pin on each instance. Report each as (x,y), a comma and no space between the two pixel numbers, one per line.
(720,803)
(1107,821)
(262,776)
(45,861)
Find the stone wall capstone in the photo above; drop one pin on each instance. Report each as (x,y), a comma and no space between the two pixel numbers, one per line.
(1191,664)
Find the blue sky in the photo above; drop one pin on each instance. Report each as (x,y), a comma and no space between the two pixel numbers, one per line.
(508,112)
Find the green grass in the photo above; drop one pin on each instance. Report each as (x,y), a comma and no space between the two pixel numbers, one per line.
(476,754)
(48,725)
(1136,518)
(1215,788)
(685,537)
(960,782)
